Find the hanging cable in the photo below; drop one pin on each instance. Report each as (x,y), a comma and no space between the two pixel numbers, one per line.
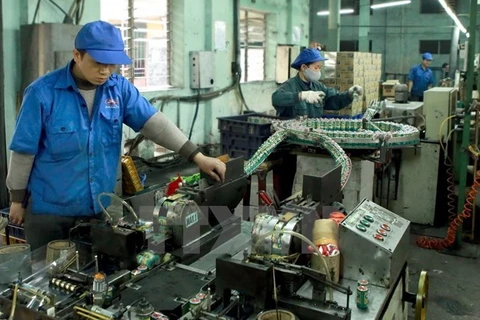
(194,116)
(439,244)
(36,12)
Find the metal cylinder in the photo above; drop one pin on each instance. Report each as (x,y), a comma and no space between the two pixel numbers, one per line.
(99,283)
(277,315)
(15,260)
(62,250)
(279,244)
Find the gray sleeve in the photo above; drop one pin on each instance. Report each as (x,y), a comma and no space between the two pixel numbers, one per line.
(19,170)
(163,132)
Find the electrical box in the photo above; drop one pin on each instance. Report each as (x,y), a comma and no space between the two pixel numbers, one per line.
(374,243)
(202,69)
(44,48)
(438,104)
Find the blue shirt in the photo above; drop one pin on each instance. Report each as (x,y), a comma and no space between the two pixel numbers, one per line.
(76,157)
(421,79)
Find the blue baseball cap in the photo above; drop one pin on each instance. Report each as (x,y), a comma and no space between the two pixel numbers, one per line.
(103,42)
(427,56)
(307,56)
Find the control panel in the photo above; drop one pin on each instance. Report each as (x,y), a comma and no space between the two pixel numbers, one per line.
(377,224)
(374,243)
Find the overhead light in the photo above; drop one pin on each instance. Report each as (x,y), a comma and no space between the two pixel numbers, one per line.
(342,11)
(390,4)
(453,16)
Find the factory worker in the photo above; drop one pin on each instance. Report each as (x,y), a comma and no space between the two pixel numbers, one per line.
(304,95)
(67,141)
(420,78)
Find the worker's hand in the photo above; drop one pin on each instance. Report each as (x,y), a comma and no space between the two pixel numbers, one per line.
(17,213)
(355,89)
(312,96)
(211,166)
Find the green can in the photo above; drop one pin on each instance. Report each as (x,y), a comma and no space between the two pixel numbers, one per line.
(362,297)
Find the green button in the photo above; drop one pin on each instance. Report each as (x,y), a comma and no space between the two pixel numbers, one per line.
(361,228)
(365,223)
(368,218)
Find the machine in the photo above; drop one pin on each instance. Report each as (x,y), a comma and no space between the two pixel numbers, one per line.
(192,262)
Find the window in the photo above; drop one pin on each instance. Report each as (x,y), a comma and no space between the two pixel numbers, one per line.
(434,6)
(252,45)
(151,47)
(435,46)
(352,45)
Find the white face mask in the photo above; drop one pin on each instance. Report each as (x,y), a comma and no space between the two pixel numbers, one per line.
(312,75)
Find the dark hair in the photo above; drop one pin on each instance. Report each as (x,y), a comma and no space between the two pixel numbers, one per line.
(82,52)
(444,65)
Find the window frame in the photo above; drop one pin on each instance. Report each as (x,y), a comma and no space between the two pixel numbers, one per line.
(245,44)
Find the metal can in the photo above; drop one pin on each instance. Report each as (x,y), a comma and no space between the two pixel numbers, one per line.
(362,297)
(200,296)
(142,268)
(136,272)
(157,316)
(194,302)
(362,282)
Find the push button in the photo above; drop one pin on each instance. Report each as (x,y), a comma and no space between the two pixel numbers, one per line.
(365,223)
(382,232)
(361,228)
(386,227)
(378,237)
(368,217)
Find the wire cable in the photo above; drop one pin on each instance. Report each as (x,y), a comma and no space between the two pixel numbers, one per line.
(194,116)
(439,244)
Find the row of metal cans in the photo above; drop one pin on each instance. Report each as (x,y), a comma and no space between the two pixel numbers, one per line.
(362,294)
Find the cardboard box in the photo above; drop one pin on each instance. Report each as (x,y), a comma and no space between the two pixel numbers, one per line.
(388,88)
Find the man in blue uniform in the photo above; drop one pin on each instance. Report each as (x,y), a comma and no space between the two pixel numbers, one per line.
(420,78)
(67,141)
(304,95)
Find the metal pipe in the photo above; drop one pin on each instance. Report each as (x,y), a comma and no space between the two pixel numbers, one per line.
(131,42)
(463,156)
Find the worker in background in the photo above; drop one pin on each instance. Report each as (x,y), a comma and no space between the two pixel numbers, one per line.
(445,70)
(304,95)
(67,141)
(420,78)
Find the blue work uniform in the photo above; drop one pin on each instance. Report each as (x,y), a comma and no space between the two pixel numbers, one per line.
(76,157)
(421,78)
(288,105)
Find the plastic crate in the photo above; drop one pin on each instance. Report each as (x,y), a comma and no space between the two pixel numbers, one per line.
(234,152)
(14,230)
(241,140)
(241,125)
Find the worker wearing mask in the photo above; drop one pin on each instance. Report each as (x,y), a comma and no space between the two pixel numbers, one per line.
(304,95)
(67,141)
(420,78)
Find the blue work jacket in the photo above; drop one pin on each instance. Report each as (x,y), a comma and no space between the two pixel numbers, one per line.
(76,157)
(288,105)
(421,79)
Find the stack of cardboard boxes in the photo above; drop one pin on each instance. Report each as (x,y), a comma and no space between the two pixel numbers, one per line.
(355,68)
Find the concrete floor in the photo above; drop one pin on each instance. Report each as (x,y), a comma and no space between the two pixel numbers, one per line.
(454,281)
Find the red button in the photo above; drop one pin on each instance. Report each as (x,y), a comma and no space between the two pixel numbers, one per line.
(378,237)
(382,232)
(386,227)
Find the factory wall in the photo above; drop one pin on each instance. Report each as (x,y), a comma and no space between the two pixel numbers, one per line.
(395,32)
(15,14)
(192,30)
